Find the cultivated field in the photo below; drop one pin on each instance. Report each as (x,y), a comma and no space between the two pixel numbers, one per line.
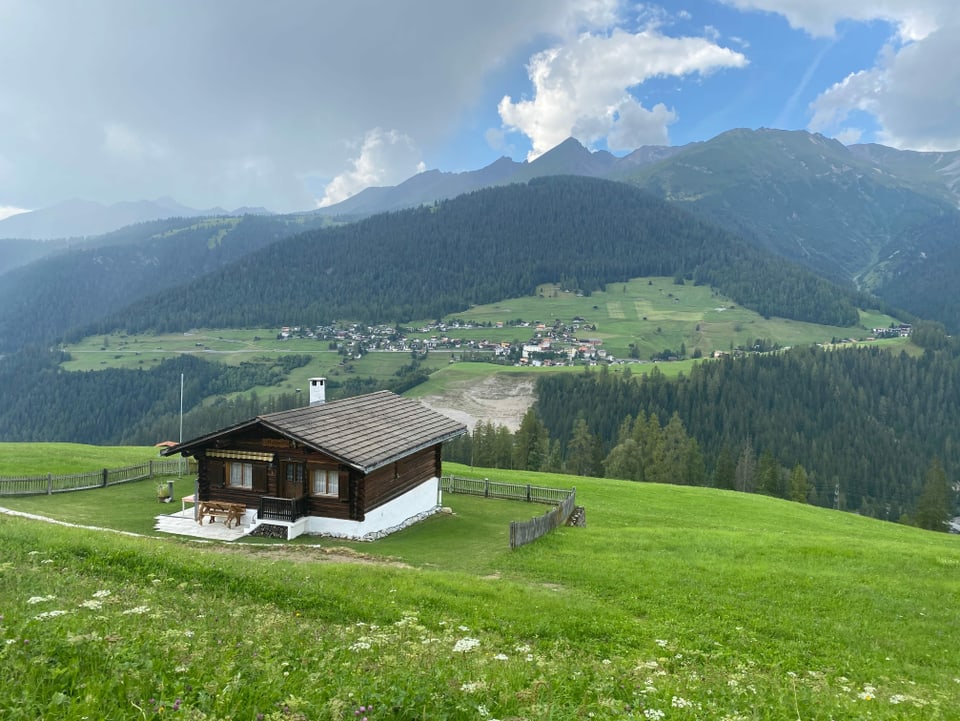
(652,314)
(672,603)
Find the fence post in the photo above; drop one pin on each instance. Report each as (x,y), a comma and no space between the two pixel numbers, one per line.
(103,483)
(49,484)
(150,472)
(486,487)
(528,493)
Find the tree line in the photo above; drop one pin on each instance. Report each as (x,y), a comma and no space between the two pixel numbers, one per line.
(861,430)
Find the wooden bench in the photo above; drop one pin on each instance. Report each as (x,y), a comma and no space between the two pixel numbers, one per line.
(229,512)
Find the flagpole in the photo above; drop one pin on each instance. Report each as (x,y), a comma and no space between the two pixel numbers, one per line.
(180,467)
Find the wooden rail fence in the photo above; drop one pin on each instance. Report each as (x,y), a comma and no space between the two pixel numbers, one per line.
(521,532)
(62,482)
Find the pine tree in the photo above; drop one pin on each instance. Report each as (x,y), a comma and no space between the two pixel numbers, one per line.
(580,452)
(934,507)
(725,472)
(746,469)
(799,486)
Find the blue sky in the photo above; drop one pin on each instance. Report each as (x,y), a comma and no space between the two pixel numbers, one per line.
(297,103)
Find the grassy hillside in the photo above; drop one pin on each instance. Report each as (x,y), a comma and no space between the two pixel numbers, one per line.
(673,603)
(651,313)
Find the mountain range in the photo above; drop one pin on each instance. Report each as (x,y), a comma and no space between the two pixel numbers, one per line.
(81,218)
(874,220)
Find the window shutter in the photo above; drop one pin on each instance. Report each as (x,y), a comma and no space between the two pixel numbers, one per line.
(344,485)
(259,478)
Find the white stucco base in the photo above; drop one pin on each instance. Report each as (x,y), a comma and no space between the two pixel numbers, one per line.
(412,506)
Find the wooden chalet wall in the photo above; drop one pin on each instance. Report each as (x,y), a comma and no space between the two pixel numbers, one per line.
(392,481)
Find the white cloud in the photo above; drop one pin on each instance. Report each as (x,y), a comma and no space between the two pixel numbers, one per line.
(124,143)
(385,158)
(582,89)
(7,211)
(911,92)
(914,20)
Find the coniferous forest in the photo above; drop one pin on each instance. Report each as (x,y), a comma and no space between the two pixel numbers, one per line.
(855,429)
(480,248)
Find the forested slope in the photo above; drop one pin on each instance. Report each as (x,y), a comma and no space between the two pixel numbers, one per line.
(480,248)
(44,300)
(863,418)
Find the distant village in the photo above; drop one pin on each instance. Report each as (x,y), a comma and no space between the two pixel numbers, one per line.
(548,345)
(557,344)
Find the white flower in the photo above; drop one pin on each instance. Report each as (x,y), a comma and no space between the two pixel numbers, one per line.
(49,614)
(661,643)
(93,604)
(523,648)
(33,600)
(501,657)
(101,594)
(897,698)
(466,644)
(653,714)
(472,687)
(680,702)
(136,610)
(360,646)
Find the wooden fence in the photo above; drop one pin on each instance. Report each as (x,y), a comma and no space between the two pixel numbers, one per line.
(60,483)
(521,532)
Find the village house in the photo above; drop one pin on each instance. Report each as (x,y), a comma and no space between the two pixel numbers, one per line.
(356,468)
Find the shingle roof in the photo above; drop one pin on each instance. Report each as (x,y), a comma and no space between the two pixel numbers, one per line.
(365,432)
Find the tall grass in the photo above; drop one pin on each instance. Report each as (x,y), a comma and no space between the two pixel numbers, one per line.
(672,603)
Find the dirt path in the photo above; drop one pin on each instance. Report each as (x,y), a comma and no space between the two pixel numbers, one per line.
(501,399)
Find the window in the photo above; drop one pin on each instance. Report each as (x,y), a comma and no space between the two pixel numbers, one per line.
(240,475)
(325,482)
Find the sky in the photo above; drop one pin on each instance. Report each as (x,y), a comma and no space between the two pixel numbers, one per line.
(297,104)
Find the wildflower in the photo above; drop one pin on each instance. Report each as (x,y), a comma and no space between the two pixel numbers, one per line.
(465,645)
(523,648)
(472,687)
(136,610)
(360,646)
(49,614)
(661,642)
(897,698)
(33,600)
(680,702)
(93,604)
(653,714)
(47,560)
(501,657)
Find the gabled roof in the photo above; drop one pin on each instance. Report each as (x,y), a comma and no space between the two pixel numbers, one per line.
(364,432)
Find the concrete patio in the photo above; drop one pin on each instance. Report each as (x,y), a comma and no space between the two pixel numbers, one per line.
(182,523)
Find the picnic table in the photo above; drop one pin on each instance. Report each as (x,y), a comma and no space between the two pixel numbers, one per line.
(229,512)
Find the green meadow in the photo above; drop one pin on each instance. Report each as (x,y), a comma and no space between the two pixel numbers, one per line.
(672,603)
